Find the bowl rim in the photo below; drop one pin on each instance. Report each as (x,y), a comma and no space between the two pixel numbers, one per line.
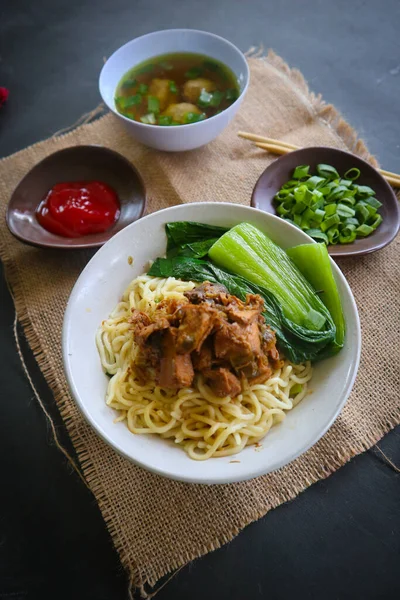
(332,249)
(176,31)
(206,480)
(81,245)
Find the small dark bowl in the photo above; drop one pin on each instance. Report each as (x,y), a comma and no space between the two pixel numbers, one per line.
(280,171)
(78,163)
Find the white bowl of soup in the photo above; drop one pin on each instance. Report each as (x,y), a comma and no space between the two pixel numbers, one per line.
(176,89)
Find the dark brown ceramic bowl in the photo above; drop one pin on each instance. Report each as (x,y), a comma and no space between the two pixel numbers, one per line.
(78,163)
(280,171)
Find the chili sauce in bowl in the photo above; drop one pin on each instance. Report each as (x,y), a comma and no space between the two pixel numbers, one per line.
(79,208)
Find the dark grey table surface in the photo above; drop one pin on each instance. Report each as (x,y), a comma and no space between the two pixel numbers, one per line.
(340,538)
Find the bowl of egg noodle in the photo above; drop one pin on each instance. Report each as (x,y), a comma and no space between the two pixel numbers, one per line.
(195,433)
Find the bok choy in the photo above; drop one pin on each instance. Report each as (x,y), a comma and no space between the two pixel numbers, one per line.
(314,262)
(246,251)
(245,261)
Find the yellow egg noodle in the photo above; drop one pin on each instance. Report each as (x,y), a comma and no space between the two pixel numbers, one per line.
(202,423)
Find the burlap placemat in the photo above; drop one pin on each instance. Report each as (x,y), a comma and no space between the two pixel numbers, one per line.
(158,525)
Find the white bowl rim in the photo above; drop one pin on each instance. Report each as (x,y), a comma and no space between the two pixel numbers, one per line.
(279,463)
(178,30)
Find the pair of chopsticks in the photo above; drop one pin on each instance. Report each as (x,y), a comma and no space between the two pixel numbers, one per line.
(278,147)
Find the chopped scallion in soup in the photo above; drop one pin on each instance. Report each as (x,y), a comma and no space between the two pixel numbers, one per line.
(176,89)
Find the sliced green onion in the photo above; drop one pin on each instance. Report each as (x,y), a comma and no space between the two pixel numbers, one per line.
(336,193)
(282,210)
(350,200)
(329,222)
(327,171)
(297,220)
(289,184)
(149,119)
(334,205)
(333,235)
(191,117)
(300,193)
(172,87)
(362,211)
(376,221)
(295,389)
(301,171)
(204,99)
(164,120)
(364,230)
(365,190)
(217,98)
(153,104)
(372,201)
(128,101)
(299,207)
(345,211)
(352,174)
(347,236)
(314,182)
(330,209)
(351,221)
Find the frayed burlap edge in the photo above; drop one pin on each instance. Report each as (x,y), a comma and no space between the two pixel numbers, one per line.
(344,132)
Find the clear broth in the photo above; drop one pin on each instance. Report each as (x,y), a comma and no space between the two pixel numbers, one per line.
(150,92)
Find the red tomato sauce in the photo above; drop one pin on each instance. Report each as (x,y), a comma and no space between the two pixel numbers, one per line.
(78,208)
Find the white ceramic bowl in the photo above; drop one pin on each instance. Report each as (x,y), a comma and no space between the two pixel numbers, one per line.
(100,287)
(182,137)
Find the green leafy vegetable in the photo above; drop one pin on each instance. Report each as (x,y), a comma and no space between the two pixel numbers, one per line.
(217,98)
(314,263)
(196,249)
(321,204)
(172,87)
(164,120)
(143,88)
(149,119)
(191,117)
(127,101)
(327,171)
(187,246)
(352,174)
(246,251)
(301,172)
(180,233)
(296,389)
(204,99)
(153,104)
(297,343)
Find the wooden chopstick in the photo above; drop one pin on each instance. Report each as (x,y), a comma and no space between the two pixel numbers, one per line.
(279,147)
